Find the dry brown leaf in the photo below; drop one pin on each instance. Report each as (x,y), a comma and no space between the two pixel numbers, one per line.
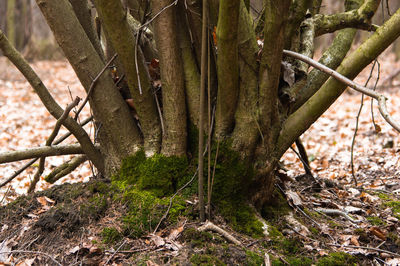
(378,233)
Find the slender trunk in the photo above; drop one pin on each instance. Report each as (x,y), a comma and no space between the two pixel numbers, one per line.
(173,91)
(227,66)
(121,37)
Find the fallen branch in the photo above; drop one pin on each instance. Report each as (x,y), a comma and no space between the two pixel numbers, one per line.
(377,96)
(56,142)
(209,226)
(13,156)
(64,169)
(50,140)
(362,247)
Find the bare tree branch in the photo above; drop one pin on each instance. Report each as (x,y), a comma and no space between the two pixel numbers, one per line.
(56,142)
(49,141)
(66,168)
(377,96)
(360,18)
(48,101)
(13,156)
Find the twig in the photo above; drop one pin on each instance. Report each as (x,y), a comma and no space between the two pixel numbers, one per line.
(377,96)
(353,141)
(56,142)
(50,140)
(159,113)
(20,155)
(5,195)
(131,251)
(171,199)
(338,212)
(115,252)
(32,252)
(93,84)
(158,13)
(203,69)
(209,226)
(362,247)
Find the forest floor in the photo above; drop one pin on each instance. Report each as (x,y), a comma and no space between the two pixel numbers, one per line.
(321,218)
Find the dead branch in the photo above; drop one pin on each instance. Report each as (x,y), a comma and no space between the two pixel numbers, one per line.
(56,142)
(50,140)
(48,101)
(377,96)
(66,168)
(209,226)
(13,156)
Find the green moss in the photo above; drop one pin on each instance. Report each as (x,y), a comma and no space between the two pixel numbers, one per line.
(375,220)
(293,261)
(205,259)
(158,174)
(395,205)
(110,235)
(144,210)
(253,258)
(314,230)
(274,232)
(337,259)
(197,238)
(230,191)
(277,208)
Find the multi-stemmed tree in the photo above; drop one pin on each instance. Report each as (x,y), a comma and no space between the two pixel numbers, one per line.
(241,88)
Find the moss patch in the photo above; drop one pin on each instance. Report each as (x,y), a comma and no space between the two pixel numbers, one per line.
(230,191)
(337,259)
(158,174)
(144,211)
(111,235)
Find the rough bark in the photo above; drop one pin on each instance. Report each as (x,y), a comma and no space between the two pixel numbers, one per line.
(227,66)
(191,70)
(360,18)
(265,158)
(83,13)
(246,132)
(173,91)
(121,37)
(120,134)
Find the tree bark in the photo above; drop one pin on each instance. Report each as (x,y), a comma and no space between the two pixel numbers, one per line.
(227,67)
(173,91)
(120,135)
(119,32)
